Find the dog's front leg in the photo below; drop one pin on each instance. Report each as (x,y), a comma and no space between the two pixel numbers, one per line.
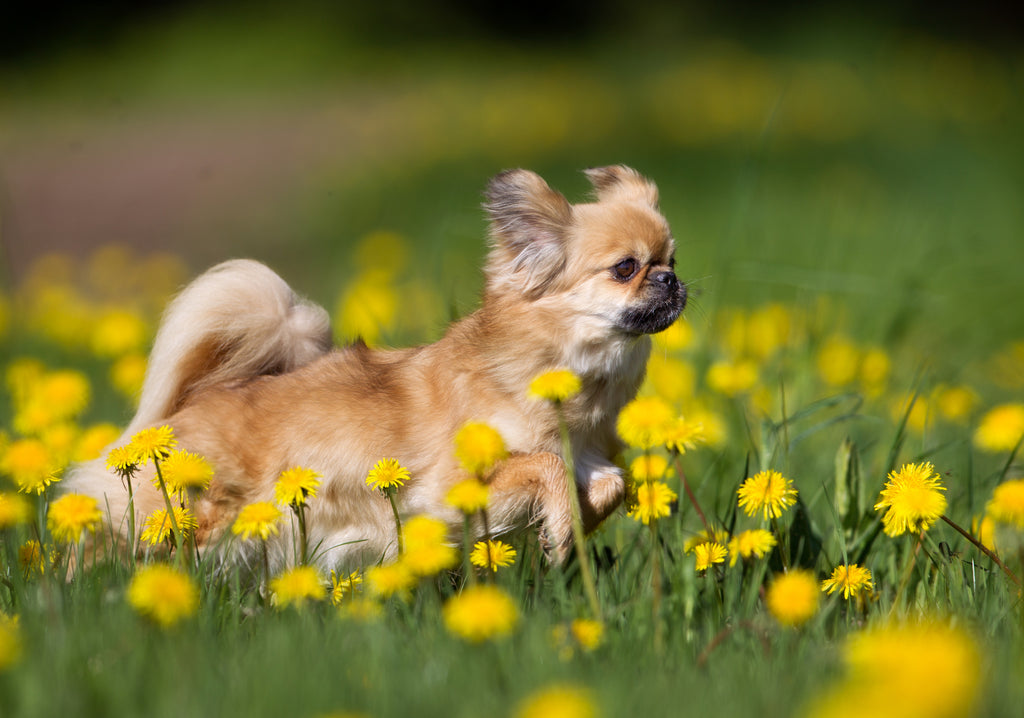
(533,486)
(601,488)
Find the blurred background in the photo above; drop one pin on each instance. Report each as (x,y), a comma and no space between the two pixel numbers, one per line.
(865,154)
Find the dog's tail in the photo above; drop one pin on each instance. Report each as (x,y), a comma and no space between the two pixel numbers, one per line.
(236,321)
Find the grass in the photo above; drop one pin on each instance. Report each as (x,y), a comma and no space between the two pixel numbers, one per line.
(902,238)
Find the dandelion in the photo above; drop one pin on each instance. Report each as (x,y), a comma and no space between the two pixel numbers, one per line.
(10,641)
(128,374)
(732,378)
(752,543)
(480,613)
(1001,429)
(123,460)
(295,485)
(708,554)
(344,586)
(297,586)
(65,393)
(387,474)
(478,447)
(426,549)
(30,558)
(556,386)
(492,554)
(118,332)
(793,597)
(30,464)
(390,579)
(1007,503)
(850,579)
(766,491)
(14,510)
(93,440)
(645,422)
(838,361)
(468,495)
(361,609)
(684,435)
(163,594)
(183,470)
(559,701)
(926,669)
(648,467)
(71,515)
(158,525)
(257,519)
(711,534)
(653,501)
(153,441)
(912,497)
(955,403)
(587,632)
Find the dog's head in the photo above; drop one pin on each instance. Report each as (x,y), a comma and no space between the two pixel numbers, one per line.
(608,263)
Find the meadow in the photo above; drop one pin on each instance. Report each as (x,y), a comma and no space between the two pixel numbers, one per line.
(845,393)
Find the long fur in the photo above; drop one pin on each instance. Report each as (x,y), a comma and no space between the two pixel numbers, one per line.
(243,372)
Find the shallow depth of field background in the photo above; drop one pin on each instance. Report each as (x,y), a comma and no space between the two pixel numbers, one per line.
(859,165)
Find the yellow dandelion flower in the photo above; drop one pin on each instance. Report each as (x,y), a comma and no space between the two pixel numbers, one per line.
(257,519)
(183,470)
(558,701)
(118,332)
(390,579)
(163,594)
(297,586)
(492,554)
(480,613)
(645,422)
(956,403)
(768,492)
(344,586)
(158,527)
(14,510)
(156,440)
(1001,429)
(22,376)
(752,543)
(71,515)
(589,634)
(793,597)
(912,497)
(66,393)
(10,641)
(917,410)
(677,337)
(468,495)
(648,467)
(123,460)
(708,554)
(60,440)
(478,447)
(925,669)
(875,367)
(1007,503)
(426,549)
(361,609)
(838,361)
(557,385)
(653,501)
(29,463)
(732,378)
(94,440)
(713,535)
(31,559)
(128,374)
(295,485)
(850,579)
(684,435)
(670,378)
(367,308)
(387,474)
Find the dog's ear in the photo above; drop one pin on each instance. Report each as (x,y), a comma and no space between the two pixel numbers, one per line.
(529,221)
(621,183)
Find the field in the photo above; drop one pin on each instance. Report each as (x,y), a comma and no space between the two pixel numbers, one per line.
(846,208)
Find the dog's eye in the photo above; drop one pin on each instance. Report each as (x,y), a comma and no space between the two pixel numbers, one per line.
(625,269)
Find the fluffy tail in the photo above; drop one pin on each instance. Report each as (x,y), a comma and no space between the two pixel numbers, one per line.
(236,321)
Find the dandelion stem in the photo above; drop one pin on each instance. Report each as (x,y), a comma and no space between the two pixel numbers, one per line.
(179,543)
(689,493)
(467,549)
(300,512)
(656,588)
(398,521)
(579,538)
(981,547)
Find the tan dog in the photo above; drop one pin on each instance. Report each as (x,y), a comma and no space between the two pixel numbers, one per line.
(244,373)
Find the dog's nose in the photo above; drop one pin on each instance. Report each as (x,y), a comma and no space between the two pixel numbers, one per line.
(665,277)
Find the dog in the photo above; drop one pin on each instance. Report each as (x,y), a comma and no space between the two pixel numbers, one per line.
(244,372)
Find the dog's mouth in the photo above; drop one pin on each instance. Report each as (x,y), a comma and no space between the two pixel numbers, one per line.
(657,314)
